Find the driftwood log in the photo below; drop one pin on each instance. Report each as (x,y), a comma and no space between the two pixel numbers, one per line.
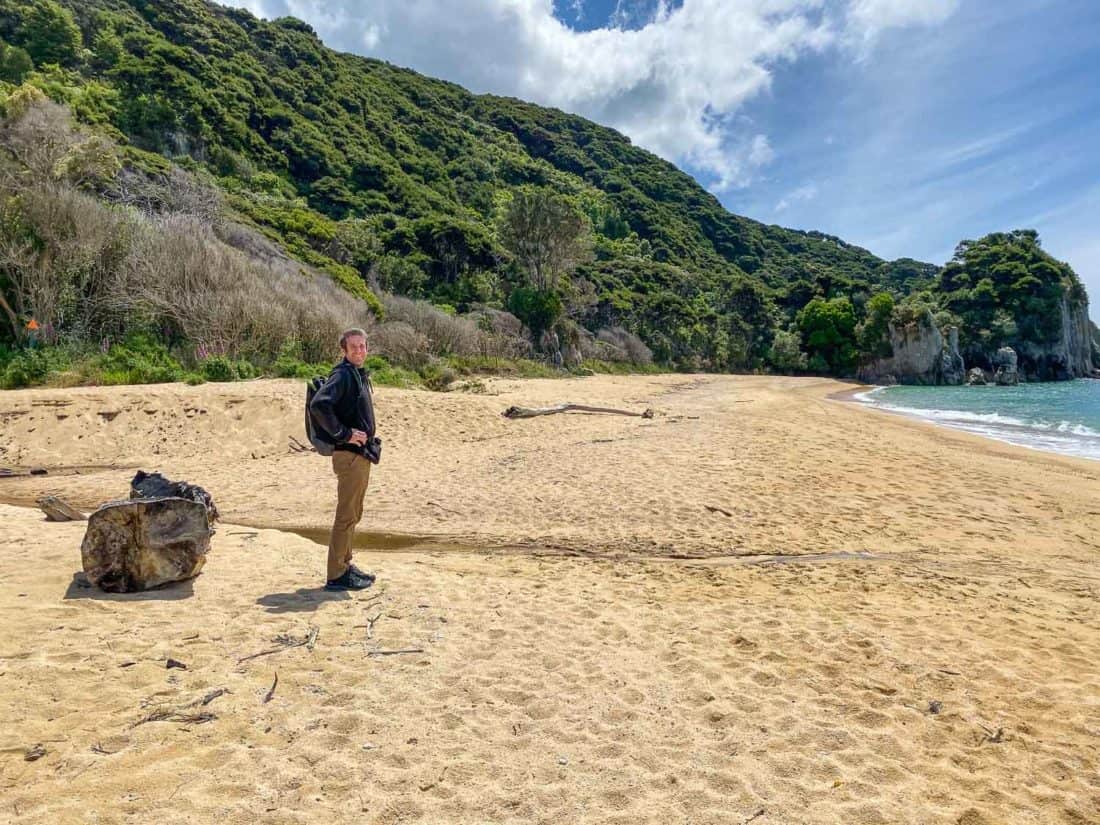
(57,510)
(161,535)
(533,412)
(142,544)
(153,485)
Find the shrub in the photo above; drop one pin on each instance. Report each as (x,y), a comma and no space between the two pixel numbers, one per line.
(502,334)
(445,334)
(221,368)
(437,376)
(491,365)
(539,310)
(828,329)
(625,346)
(597,367)
(27,368)
(786,352)
(139,360)
(401,343)
(289,363)
(49,33)
(384,374)
(15,64)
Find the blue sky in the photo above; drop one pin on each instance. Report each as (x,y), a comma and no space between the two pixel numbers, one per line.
(900,125)
(987,122)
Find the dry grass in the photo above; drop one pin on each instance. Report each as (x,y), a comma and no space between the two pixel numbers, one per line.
(94,252)
(415,330)
(152,257)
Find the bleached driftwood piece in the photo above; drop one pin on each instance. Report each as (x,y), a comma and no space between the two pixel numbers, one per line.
(533,412)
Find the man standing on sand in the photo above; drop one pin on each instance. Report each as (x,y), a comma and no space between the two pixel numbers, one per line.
(343,407)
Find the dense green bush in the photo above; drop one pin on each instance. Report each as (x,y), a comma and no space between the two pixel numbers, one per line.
(222,368)
(873,333)
(539,310)
(15,64)
(29,367)
(385,374)
(46,30)
(138,360)
(828,330)
(786,352)
(1005,290)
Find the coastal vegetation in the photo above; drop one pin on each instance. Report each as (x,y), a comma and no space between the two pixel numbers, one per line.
(203,193)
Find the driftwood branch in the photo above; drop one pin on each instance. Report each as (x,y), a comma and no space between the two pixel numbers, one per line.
(214,694)
(271,693)
(395,652)
(58,510)
(297,446)
(533,412)
(308,642)
(183,713)
(170,715)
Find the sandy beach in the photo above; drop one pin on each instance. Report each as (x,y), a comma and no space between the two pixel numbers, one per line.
(762,605)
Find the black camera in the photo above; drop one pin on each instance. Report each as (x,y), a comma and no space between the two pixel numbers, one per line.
(372,450)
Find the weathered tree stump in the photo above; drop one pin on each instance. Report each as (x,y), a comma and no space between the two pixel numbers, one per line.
(154,485)
(141,544)
(57,510)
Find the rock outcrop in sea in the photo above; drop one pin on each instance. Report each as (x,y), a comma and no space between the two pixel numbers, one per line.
(1006,361)
(976,377)
(1069,356)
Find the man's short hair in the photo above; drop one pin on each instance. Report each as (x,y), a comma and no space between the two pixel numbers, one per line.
(351,333)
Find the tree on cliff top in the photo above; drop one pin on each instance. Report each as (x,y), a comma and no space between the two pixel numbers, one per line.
(1007,290)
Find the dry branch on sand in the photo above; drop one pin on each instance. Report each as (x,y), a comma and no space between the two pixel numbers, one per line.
(287,643)
(271,692)
(533,412)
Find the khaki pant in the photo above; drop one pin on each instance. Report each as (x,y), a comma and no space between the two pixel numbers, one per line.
(352,474)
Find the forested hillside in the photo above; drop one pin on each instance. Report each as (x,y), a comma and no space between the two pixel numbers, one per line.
(397,184)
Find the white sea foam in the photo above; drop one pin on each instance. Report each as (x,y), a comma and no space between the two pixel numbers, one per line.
(1065,437)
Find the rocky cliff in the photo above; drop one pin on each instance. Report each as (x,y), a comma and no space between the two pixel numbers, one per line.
(922,354)
(1067,357)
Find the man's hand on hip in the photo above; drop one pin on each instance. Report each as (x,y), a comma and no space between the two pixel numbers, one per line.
(358,438)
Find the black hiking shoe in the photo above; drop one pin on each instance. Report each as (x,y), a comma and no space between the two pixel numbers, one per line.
(367,577)
(348,581)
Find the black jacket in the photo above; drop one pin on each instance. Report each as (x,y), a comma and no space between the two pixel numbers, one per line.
(344,404)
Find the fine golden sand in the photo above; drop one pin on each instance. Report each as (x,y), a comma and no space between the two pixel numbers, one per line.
(760,606)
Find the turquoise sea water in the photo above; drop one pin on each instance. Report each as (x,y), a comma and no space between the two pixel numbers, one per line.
(1061,417)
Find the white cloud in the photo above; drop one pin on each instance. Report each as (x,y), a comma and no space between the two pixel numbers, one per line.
(806,192)
(869,17)
(672,79)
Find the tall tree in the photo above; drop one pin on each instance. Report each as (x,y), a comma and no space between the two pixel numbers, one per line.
(50,34)
(548,236)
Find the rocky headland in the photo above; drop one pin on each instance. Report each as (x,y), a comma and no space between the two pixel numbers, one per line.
(923,353)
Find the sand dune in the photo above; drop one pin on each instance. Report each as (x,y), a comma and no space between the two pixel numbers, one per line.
(600,641)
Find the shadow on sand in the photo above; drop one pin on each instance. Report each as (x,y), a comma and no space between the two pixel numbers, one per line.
(81,588)
(302,600)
